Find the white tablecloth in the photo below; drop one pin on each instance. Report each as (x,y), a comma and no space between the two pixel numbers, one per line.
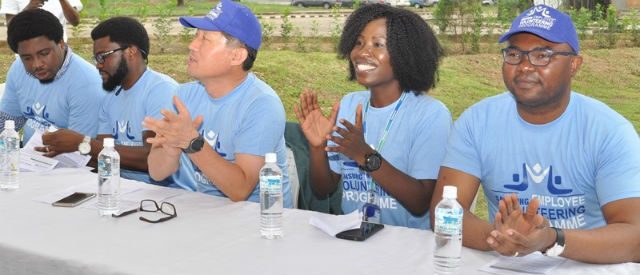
(210,236)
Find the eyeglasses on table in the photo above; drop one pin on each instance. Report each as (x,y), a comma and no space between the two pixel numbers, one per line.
(152,206)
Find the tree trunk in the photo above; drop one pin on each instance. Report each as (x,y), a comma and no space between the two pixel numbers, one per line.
(180,3)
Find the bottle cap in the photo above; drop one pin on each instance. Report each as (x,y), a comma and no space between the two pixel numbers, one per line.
(9,124)
(450,192)
(270,157)
(107,142)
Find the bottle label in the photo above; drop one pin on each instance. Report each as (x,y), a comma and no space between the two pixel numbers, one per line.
(271,183)
(448,221)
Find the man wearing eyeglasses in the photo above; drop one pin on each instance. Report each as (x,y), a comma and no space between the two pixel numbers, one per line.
(121,49)
(48,84)
(560,170)
(228,119)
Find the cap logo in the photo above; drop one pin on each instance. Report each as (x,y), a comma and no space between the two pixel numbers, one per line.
(538,17)
(215,12)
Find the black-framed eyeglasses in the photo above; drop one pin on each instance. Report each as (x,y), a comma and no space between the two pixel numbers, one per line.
(99,58)
(537,57)
(152,206)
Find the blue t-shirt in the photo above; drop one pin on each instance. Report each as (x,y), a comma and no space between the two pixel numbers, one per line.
(584,159)
(248,120)
(122,113)
(416,144)
(71,101)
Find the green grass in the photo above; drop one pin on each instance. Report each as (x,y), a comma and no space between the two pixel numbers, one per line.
(611,76)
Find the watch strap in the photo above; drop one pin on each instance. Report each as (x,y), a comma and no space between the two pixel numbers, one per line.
(195,145)
(558,246)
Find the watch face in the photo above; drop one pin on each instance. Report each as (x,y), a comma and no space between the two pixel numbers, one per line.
(197,143)
(84,148)
(373,162)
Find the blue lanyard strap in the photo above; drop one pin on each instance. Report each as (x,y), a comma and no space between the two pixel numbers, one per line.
(381,142)
(392,117)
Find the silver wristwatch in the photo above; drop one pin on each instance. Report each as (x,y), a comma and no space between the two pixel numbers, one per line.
(558,247)
(85,146)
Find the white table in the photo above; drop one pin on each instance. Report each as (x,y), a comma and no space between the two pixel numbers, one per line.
(210,236)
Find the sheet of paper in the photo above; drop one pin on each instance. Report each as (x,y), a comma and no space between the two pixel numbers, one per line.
(534,263)
(333,225)
(31,161)
(65,160)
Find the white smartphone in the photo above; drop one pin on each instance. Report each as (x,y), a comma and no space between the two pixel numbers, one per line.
(74,199)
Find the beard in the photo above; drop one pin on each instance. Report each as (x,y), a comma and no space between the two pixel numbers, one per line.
(46,81)
(116,79)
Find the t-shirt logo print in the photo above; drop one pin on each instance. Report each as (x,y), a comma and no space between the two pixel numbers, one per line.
(212,138)
(37,109)
(538,17)
(38,113)
(123,128)
(536,174)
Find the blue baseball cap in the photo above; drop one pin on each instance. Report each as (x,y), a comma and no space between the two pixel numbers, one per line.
(231,18)
(546,22)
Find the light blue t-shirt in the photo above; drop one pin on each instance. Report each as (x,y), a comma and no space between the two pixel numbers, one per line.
(71,101)
(584,159)
(415,145)
(122,112)
(248,120)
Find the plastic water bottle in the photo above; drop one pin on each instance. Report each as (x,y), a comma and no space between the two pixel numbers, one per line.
(448,232)
(9,157)
(271,203)
(108,178)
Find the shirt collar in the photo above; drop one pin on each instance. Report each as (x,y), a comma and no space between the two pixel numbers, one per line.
(65,64)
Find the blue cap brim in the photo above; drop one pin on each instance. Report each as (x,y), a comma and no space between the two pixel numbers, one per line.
(199,23)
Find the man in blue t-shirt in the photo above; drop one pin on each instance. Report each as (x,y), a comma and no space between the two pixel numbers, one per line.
(48,84)
(560,170)
(121,49)
(227,120)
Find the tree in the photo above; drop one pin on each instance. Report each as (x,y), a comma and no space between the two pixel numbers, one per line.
(180,3)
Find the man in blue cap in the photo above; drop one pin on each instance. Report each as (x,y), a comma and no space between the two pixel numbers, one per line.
(227,120)
(560,170)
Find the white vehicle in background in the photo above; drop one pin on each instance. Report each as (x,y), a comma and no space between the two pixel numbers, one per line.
(489,2)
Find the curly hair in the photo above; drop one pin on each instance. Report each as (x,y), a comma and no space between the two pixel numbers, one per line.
(414,50)
(125,31)
(30,24)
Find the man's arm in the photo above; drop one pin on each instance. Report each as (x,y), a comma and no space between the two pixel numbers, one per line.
(474,229)
(617,242)
(163,161)
(70,13)
(236,180)
(67,141)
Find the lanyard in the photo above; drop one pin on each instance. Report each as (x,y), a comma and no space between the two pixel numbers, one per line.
(392,117)
(382,140)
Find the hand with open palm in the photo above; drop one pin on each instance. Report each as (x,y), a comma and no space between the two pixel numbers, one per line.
(315,125)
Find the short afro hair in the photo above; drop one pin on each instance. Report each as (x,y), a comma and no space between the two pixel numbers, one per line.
(30,24)
(125,31)
(414,50)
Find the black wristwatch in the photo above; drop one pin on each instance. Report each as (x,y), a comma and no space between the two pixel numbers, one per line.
(195,145)
(372,162)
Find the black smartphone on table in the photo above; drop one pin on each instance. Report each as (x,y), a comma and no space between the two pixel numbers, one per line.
(74,199)
(365,231)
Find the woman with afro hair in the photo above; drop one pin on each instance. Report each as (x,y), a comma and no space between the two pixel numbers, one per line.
(386,150)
